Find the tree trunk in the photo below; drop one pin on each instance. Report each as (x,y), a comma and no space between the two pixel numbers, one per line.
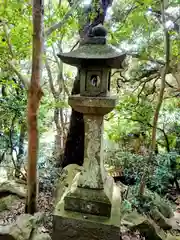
(74,149)
(21,150)
(158,106)
(34,97)
(58,112)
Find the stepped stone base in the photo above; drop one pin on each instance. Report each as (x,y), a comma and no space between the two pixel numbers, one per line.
(80,226)
(89,201)
(82,229)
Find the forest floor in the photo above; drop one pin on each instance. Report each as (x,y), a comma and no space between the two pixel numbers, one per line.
(45,205)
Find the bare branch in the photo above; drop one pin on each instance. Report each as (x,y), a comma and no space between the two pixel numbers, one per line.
(163,76)
(151,126)
(55,57)
(169,85)
(115,73)
(24,81)
(177,19)
(60,24)
(75,45)
(50,79)
(5,28)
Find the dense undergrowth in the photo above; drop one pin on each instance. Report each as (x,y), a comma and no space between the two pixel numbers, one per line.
(166,171)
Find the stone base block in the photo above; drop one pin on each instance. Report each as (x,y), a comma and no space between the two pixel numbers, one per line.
(81,226)
(89,201)
(81,229)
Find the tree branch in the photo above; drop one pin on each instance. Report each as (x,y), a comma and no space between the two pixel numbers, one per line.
(60,66)
(151,126)
(163,76)
(60,24)
(50,79)
(55,57)
(5,28)
(24,81)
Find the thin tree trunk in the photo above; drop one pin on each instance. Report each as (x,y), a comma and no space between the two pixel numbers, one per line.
(159,103)
(163,78)
(58,119)
(21,149)
(34,97)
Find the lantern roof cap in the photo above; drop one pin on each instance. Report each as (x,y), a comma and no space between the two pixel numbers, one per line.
(94,51)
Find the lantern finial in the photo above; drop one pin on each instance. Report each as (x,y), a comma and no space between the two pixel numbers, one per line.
(99,31)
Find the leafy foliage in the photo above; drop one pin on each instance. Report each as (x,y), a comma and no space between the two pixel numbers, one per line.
(132,166)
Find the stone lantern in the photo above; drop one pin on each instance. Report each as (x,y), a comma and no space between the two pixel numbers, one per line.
(94,59)
(91,192)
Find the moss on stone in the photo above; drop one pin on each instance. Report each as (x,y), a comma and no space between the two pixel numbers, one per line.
(6,202)
(93,51)
(94,54)
(88,201)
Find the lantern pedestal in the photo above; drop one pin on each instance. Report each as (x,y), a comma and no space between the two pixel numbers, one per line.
(89,195)
(90,206)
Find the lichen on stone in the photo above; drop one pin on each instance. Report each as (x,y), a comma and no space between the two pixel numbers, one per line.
(91,177)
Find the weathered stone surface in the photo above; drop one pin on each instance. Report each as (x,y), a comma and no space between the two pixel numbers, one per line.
(149,230)
(68,224)
(69,228)
(13,187)
(84,200)
(39,217)
(132,219)
(156,207)
(66,179)
(26,227)
(20,230)
(175,221)
(40,235)
(94,54)
(147,227)
(91,176)
(90,201)
(89,195)
(6,202)
(100,227)
(95,106)
(161,221)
